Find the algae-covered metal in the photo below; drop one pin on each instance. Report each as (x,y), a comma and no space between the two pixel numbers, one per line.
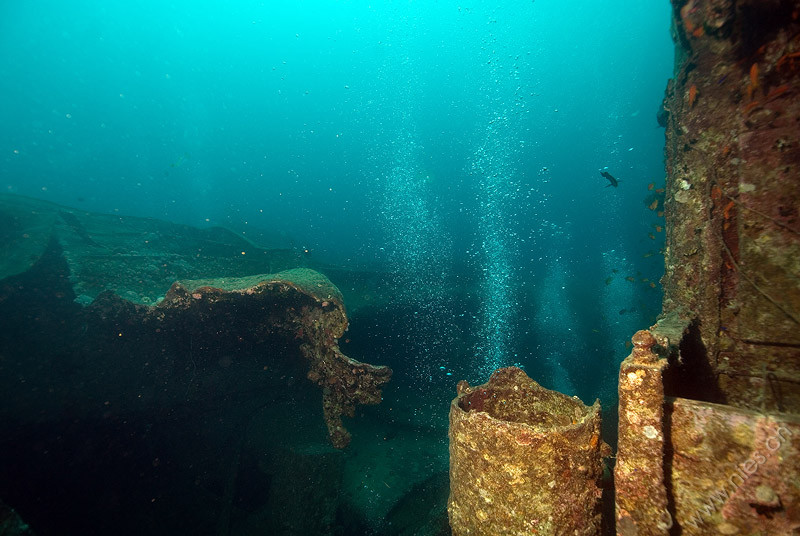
(733,471)
(523,460)
(692,467)
(641,497)
(733,198)
(302,304)
(730,332)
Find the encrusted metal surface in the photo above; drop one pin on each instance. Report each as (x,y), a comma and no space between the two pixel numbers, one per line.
(733,471)
(693,467)
(733,194)
(641,497)
(311,311)
(523,460)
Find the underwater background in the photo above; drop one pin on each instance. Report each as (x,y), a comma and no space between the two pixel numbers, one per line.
(453,148)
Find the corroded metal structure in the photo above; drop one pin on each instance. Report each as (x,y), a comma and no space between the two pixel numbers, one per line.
(119,267)
(733,196)
(641,494)
(692,467)
(709,435)
(523,459)
(117,379)
(301,304)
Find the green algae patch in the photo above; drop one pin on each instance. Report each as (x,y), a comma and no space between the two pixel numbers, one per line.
(305,280)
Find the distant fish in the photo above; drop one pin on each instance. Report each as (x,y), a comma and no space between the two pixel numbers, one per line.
(692,95)
(753,81)
(612,181)
(181,159)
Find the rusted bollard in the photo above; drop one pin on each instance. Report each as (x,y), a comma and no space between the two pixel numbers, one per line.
(523,460)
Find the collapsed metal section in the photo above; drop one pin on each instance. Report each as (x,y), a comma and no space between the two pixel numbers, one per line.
(298,304)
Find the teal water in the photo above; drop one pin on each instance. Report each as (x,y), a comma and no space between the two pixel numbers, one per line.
(454,146)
